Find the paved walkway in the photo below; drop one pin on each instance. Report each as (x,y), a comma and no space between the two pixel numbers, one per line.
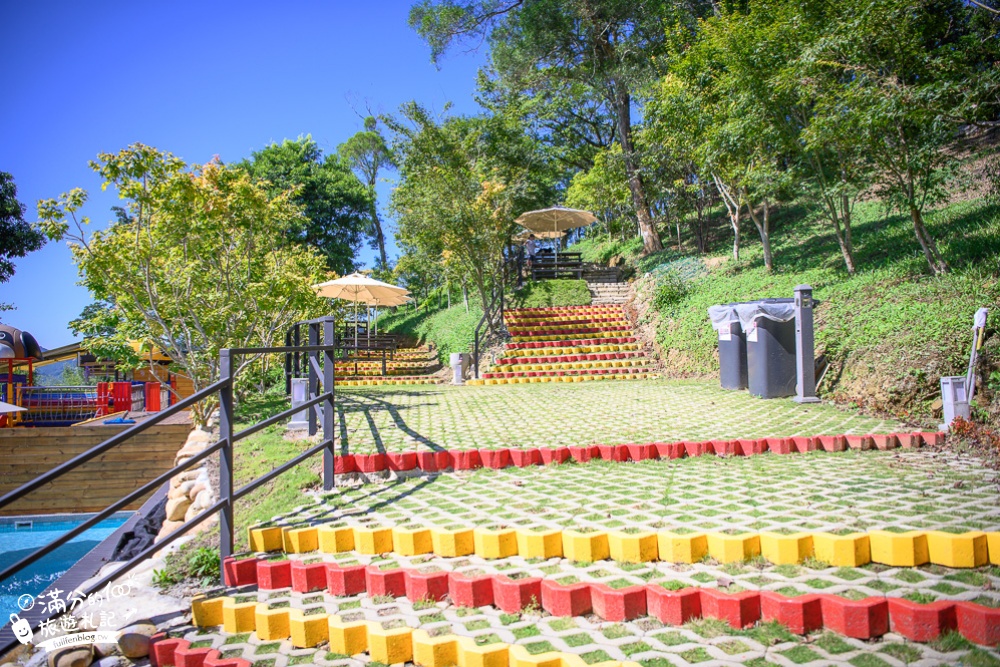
(547,415)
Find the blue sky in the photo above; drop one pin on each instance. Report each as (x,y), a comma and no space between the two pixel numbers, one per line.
(197,79)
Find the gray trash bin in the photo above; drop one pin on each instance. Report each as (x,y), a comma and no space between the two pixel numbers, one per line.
(732,346)
(769,327)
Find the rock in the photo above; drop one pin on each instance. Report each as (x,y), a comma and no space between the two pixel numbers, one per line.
(176,507)
(200,435)
(187,475)
(133,641)
(169,527)
(195,489)
(204,499)
(72,656)
(110,661)
(104,650)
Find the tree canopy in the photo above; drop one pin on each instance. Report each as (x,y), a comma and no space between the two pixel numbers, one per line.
(17,236)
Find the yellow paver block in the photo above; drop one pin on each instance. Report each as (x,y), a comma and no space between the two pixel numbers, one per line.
(957,550)
(272,624)
(786,549)
(519,657)
(389,646)
(681,547)
(434,651)
(495,543)
(453,543)
(993,547)
(206,611)
(335,539)
(573,660)
(372,540)
(907,549)
(539,543)
(347,638)
(733,548)
(851,550)
(412,541)
(301,540)
(308,631)
(471,654)
(634,547)
(238,617)
(587,547)
(265,539)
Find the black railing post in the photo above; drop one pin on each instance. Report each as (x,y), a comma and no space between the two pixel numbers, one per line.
(226,525)
(313,358)
(328,383)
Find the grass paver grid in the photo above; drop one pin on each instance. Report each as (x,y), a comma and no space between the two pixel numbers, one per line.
(394,419)
(643,639)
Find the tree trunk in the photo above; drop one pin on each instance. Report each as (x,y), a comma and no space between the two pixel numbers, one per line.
(621,102)
(764,229)
(734,206)
(934,258)
(465,297)
(842,232)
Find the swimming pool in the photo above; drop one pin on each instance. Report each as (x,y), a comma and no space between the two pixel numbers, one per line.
(18,538)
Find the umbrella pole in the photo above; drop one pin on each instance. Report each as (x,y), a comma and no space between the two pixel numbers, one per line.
(368,324)
(355,325)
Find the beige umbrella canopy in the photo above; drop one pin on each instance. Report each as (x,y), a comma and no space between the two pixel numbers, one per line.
(556,219)
(522,237)
(359,288)
(396,301)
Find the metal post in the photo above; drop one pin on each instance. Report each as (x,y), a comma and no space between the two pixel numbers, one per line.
(288,364)
(328,383)
(313,360)
(226,526)
(805,364)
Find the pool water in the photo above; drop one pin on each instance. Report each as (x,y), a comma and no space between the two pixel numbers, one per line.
(18,541)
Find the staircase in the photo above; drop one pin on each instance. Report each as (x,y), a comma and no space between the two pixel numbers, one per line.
(568,344)
(409,365)
(608,293)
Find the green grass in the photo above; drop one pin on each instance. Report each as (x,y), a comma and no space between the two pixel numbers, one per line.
(547,293)
(875,322)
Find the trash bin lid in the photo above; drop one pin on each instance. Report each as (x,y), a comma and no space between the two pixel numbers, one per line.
(722,315)
(779,310)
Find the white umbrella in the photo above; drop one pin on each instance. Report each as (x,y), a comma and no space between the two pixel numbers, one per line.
(357,287)
(10,407)
(555,219)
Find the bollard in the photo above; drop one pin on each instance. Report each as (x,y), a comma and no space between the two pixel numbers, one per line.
(805,359)
(300,420)
(457,367)
(955,401)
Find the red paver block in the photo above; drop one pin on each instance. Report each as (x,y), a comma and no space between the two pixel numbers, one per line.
(522,458)
(215,659)
(385,582)
(433,461)
(582,454)
(513,595)
(470,591)
(781,445)
(907,440)
(697,448)
(757,446)
(861,442)
(670,450)
(740,610)
(190,657)
(618,604)
(832,443)
(306,578)
(344,464)
(860,619)
(805,444)
(921,622)
(673,607)
(726,447)
(345,581)
(466,460)
(613,453)
(495,458)
(242,572)
(802,613)
(552,455)
(161,649)
(272,574)
(978,623)
(642,452)
(884,441)
(426,585)
(931,438)
(369,463)
(570,600)
(401,461)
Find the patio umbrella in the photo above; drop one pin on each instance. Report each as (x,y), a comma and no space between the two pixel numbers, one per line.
(556,219)
(359,288)
(396,301)
(9,407)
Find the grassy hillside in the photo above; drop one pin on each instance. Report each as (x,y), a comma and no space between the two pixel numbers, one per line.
(890,331)
(453,329)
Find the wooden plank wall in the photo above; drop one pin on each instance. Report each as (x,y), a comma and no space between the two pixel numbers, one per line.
(26,453)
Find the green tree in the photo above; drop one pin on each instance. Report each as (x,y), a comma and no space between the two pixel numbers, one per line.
(17,236)
(609,47)
(336,206)
(200,262)
(603,190)
(368,154)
